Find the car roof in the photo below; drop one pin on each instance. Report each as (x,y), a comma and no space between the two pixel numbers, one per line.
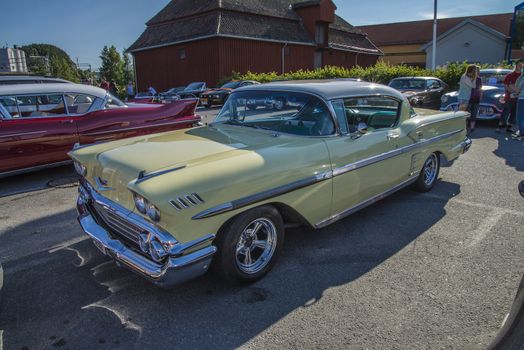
(496,70)
(327,89)
(31,77)
(414,77)
(23,89)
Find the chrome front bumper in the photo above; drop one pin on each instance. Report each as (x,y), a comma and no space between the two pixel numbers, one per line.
(183,264)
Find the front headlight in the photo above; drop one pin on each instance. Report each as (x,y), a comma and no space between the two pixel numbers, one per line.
(140,203)
(152,212)
(80,169)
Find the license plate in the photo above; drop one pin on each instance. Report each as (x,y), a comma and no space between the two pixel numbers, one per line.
(100,246)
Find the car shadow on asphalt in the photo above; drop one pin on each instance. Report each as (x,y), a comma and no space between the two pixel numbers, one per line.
(75,297)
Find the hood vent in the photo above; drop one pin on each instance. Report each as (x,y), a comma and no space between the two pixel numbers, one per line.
(184,202)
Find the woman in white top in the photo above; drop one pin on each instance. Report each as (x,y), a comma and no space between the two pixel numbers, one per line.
(466,84)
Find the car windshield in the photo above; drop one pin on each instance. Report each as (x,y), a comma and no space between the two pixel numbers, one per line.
(194,86)
(231,85)
(285,112)
(408,84)
(493,78)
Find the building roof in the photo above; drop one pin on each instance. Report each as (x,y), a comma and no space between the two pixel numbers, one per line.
(421,32)
(328,89)
(269,20)
(464,23)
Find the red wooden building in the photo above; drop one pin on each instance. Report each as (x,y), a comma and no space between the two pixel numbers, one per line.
(207,40)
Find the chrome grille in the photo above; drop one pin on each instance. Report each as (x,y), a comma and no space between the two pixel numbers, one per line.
(118,224)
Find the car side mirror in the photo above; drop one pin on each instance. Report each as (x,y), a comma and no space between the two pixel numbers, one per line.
(521,188)
(362,128)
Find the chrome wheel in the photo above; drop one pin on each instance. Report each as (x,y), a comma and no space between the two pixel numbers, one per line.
(256,245)
(430,170)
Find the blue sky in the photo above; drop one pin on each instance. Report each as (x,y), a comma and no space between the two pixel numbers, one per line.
(82,28)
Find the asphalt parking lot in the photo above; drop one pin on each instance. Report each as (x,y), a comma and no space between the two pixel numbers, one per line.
(414,271)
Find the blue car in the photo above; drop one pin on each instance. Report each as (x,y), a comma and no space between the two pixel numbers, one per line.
(492,102)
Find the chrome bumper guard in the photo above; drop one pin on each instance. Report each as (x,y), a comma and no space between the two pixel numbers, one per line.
(176,269)
(466,144)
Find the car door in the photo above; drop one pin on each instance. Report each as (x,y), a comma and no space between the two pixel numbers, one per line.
(37,131)
(364,159)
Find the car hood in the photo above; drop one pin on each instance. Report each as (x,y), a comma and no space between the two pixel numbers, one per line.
(202,150)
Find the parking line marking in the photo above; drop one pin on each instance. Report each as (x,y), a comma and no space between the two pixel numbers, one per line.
(474,204)
(67,244)
(485,227)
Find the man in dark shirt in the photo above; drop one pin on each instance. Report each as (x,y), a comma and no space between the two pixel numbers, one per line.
(510,98)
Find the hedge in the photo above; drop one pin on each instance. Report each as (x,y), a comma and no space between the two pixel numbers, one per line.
(381,72)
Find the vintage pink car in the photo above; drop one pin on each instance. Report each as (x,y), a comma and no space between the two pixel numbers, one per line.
(40,123)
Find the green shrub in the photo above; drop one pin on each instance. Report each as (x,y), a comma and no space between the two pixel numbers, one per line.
(381,72)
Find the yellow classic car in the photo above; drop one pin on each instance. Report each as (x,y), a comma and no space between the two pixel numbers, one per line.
(171,205)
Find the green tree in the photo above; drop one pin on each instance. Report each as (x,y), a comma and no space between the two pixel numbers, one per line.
(112,67)
(129,72)
(48,59)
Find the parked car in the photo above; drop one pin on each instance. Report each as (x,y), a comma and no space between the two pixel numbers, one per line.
(1,283)
(40,123)
(225,195)
(220,95)
(193,90)
(143,97)
(171,94)
(492,102)
(11,79)
(422,92)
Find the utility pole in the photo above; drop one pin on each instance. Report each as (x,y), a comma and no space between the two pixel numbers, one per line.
(434,50)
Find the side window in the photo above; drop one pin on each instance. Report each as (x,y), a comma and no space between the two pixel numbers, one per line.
(113,102)
(41,105)
(78,103)
(338,106)
(9,104)
(378,112)
(433,84)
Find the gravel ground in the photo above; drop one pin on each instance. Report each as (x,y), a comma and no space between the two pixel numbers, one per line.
(414,271)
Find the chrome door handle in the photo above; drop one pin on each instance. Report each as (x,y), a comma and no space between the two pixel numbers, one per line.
(393,136)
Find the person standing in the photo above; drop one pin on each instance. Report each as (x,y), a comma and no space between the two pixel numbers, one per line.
(466,84)
(152,90)
(112,88)
(104,85)
(509,113)
(474,101)
(130,90)
(519,86)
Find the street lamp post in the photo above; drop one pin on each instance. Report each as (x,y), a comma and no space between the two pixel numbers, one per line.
(434,49)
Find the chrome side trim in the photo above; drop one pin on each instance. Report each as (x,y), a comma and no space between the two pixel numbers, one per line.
(34,168)
(24,134)
(142,176)
(380,157)
(142,127)
(261,196)
(365,203)
(277,191)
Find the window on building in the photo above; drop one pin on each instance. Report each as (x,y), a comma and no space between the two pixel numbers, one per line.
(182,54)
(320,36)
